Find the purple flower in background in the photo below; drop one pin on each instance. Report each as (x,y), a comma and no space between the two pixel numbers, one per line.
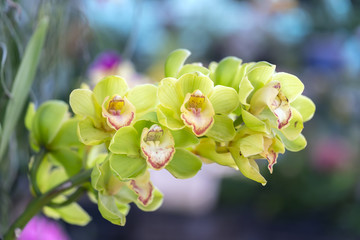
(332,155)
(106,61)
(41,228)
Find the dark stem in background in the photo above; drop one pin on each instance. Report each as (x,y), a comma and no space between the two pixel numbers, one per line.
(38,203)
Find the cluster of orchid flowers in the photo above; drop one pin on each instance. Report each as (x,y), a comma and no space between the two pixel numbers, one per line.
(230,113)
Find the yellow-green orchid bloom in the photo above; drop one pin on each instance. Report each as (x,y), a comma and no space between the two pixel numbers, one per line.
(109,107)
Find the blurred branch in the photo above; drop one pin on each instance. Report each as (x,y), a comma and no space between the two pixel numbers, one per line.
(2,66)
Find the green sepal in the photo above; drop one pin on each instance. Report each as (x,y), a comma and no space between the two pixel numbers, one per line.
(125,167)
(248,167)
(90,135)
(194,67)
(295,145)
(29,116)
(254,123)
(252,145)
(223,129)
(168,95)
(73,214)
(184,164)
(155,203)
(144,98)
(260,74)
(224,99)
(175,62)
(108,87)
(191,82)
(82,103)
(207,149)
(69,160)
(226,72)
(112,211)
(47,121)
(125,141)
(67,135)
(291,86)
(169,118)
(245,89)
(184,138)
(305,106)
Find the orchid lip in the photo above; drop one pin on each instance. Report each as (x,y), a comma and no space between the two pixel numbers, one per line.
(158,146)
(119,112)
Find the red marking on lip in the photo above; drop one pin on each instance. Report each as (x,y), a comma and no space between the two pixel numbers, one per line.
(157,165)
(124,125)
(137,189)
(198,131)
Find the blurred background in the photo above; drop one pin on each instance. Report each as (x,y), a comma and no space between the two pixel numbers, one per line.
(312,194)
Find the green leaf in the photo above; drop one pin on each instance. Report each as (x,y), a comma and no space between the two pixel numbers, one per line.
(184,164)
(293,130)
(72,214)
(190,82)
(144,98)
(125,167)
(248,167)
(90,135)
(168,95)
(260,74)
(115,213)
(252,145)
(223,129)
(291,86)
(226,72)
(22,83)
(30,113)
(184,138)
(125,141)
(253,122)
(168,118)
(194,67)
(48,120)
(175,62)
(67,135)
(154,205)
(69,160)
(207,149)
(305,106)
(224,99)
(108,87)
(82,103)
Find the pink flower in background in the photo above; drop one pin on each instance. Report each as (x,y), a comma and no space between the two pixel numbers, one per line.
(110,63)
(332,155)
(41,228)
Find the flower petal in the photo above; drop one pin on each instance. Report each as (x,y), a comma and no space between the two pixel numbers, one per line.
(110,210)
(305,106)
(199,119)
(291,86)
(295,145)
(90,135)
(155,203)
(222,130)
(144,98)
(168,95)
(224,99)
(118,118)
(245,89)
(226,72)
(184,138)
(254,123)
(125,167)
(82,103)
(143,187)
(295,126)
(194,67)
(252,144)
(248,167)
(184,164)
(175,61)
(125,141)
(208,149)
(264,97)
(260,74)
(158,146)
(110,86)
(191,82)
(169,118)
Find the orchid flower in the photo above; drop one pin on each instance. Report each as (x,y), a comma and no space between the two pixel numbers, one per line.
(109,107)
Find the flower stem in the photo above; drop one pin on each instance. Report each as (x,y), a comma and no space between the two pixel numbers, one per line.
(39,202)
